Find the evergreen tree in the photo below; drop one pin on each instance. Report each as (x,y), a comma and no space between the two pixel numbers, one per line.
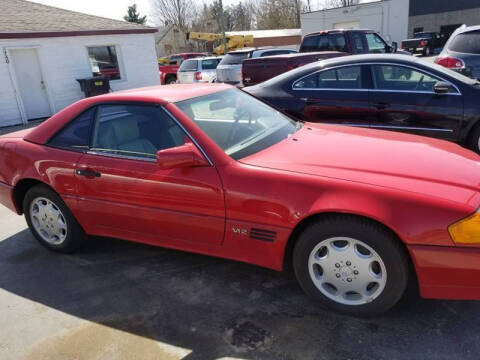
(134,17)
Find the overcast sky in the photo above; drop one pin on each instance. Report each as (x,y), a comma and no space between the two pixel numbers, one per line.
(116,9)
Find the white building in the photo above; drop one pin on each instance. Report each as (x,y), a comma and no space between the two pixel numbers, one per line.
(45,49)
(388,17)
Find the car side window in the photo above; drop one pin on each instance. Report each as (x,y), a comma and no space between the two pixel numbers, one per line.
(358,43)
(348,77)
(75,135)
(375,43)
(399,78)
(134,131)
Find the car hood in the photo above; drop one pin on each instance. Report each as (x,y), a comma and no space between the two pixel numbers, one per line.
(383,158)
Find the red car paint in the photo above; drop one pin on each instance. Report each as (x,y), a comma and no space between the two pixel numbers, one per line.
(415,186)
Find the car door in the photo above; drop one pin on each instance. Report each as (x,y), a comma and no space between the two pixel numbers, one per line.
(404,99)
(124,193)
(336,95)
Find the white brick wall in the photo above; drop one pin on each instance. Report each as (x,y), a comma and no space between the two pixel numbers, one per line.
(65,59)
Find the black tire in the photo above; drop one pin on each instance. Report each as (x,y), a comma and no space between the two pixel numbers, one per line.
(473,141)
(170,80)
(383,242)
(74,234)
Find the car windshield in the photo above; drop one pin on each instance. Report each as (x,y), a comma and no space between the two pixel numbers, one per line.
(210,64)
(188,65)
(234,58)
(240,124)
(324,42)
(468,42)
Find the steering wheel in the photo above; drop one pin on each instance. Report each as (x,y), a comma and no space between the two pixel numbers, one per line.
(237,115)
(420,83)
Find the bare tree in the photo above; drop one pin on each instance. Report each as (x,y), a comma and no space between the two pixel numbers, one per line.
(341,3)
(279,14)
(176,12)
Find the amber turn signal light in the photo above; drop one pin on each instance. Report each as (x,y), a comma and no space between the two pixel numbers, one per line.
(466,231)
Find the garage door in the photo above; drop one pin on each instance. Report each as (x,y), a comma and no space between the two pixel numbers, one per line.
(347,25)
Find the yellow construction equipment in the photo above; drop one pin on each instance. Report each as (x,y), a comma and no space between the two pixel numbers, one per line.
(233,42)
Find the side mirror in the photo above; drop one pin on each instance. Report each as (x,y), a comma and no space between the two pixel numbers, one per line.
(394,47)
(441,88)
(183,156)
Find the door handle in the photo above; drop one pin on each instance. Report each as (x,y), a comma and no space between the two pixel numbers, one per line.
(308,101)
(87,173)
(381,105)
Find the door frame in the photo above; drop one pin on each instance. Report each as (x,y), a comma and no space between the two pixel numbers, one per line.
(14,79)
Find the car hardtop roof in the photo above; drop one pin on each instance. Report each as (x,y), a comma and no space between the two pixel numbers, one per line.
(163,94)
(251,49)
(339,30)
(296,54)
(188,53)
(363,58)
(206,58)
(464,29)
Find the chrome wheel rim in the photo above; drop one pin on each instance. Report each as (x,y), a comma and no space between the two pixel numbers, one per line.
(347,271)
(48,221)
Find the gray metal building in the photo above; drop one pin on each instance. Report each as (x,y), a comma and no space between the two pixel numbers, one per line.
(443,16)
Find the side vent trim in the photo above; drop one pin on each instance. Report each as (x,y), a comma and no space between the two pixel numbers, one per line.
(262,234)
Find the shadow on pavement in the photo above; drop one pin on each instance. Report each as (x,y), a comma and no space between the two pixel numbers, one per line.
(219,308)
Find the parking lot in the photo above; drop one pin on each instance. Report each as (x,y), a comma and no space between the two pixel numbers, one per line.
(120,300)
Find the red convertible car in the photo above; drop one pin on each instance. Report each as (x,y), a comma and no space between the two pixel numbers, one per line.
(212,170)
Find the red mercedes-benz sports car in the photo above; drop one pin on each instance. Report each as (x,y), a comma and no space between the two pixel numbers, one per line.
(212,170)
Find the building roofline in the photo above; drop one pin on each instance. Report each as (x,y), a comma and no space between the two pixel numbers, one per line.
(346,7)
(44,34)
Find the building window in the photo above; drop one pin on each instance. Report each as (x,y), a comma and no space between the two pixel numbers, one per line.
(104,62)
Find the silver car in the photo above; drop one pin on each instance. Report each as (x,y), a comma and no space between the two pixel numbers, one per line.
(198,70)
(230,68)
(462,51)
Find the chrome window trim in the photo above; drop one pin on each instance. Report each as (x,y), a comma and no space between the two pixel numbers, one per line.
(189,135)
(119,156)
(458,93)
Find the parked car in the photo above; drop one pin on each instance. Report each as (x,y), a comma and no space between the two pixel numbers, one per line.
(392,92)
(425,43)
(168,73)
(462,51)
(209,169)
(198,70)
(230,68)
(331,42)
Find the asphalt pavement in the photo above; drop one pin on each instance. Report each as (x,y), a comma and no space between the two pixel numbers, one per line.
(120,300)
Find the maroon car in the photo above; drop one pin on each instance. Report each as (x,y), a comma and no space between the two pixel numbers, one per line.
(319,46)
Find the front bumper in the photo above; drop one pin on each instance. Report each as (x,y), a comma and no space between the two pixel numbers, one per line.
(6,197)
(447,272)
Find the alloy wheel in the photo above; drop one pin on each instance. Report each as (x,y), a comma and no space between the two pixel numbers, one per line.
(347,270)
(48,220)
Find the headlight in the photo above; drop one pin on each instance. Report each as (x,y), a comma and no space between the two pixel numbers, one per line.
(466,231)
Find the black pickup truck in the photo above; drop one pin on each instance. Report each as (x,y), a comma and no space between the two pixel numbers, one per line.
(425,43)
(319,45)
